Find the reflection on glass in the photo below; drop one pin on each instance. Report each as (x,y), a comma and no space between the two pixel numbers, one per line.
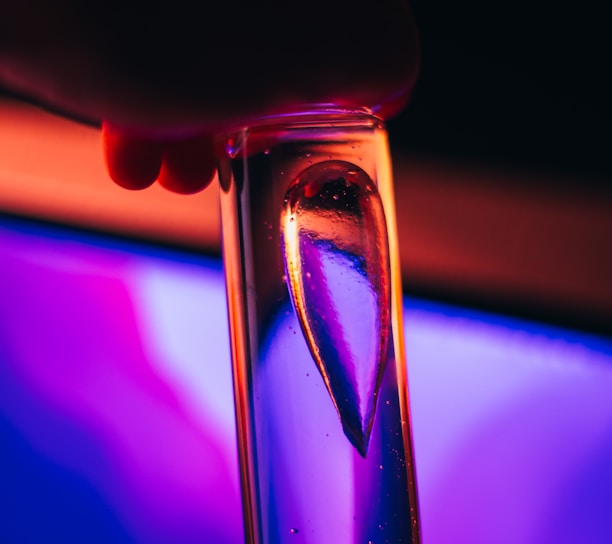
(315,317)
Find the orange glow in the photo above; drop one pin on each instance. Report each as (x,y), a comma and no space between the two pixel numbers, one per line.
(488,233)
(504,235)
(53,169)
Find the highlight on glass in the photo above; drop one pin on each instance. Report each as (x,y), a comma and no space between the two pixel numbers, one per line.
(314,296)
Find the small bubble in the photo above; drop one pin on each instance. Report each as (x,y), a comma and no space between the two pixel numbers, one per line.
(388,402)
(294,531)
(308,154)
(336,197)
(380,467)
(266,151)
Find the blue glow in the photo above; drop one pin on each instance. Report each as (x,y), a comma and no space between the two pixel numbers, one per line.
(116,415)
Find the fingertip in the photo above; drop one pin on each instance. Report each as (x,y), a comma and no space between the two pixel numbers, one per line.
(188,166)
(132,162)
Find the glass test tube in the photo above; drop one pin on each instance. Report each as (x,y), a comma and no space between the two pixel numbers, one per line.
(314,295)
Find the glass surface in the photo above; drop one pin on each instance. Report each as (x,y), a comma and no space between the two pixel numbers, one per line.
(315,319)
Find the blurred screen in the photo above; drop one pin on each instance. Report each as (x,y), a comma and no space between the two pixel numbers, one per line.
(116,413)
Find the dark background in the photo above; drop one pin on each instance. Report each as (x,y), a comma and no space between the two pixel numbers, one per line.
(515,84)
(522,88)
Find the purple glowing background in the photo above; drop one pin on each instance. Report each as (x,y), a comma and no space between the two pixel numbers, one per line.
(108,374)
(116,419)
(513,429)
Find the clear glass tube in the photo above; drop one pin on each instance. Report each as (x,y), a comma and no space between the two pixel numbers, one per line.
(314,295)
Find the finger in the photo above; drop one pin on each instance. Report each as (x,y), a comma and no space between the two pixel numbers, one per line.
(189,165)
(132,162)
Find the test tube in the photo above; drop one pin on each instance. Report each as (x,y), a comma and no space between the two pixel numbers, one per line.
(315,310)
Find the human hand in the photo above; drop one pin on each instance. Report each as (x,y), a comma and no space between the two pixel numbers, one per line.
(163,77)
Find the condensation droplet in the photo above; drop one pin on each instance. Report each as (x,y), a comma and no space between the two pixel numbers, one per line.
(336,261)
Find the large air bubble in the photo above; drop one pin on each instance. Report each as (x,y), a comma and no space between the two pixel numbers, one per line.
(336,256)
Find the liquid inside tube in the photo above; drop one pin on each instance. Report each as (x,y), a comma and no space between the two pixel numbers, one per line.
(313,283)
(336,258)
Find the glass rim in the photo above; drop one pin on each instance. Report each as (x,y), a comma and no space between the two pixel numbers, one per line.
(310,114)
(315,117)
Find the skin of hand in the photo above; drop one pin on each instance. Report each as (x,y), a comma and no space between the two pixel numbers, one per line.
(161,78)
